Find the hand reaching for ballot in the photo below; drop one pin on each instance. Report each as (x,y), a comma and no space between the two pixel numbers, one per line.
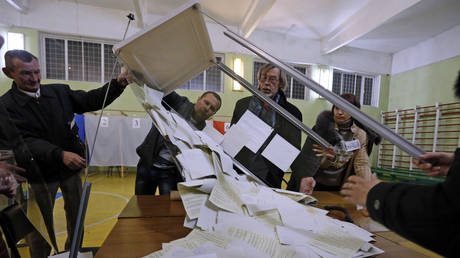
(324,152)
(7,169)
(356,188)
(440,163)
(307,184)
(73,160)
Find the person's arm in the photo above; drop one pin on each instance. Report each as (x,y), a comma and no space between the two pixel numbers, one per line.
(237,112)
(435,163)
(305,167)
(425,214)
(174,100)
(92,100)
(361,161)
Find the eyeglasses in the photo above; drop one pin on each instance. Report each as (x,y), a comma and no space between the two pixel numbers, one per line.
(271,79)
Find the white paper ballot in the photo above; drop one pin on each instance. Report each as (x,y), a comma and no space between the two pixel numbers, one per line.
(234,140)
(153,97)
(184,131)
(257,130)
(192,199)
(197,162)
(280,152)
(212,133)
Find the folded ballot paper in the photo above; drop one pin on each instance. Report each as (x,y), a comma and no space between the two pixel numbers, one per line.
(231,215)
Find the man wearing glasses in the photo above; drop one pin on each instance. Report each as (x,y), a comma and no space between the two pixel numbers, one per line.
(272,82)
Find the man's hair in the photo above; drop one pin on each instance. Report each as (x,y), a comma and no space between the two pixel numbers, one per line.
(214,94)
(457,86)
(22,55)
(350,98)
(267,67)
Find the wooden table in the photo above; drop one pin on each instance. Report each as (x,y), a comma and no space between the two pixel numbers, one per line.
(148,221)
(148,206)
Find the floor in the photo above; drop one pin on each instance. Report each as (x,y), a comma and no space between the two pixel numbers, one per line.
(109,195)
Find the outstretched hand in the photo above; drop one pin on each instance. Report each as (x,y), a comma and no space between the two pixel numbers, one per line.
(307,184)
(356,188)
(125,78)
(436,163)
(324,152)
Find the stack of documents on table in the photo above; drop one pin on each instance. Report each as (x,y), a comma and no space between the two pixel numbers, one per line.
(234,216)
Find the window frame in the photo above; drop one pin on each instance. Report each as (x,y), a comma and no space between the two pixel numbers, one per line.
(204,88)
(66,38)
(375,85)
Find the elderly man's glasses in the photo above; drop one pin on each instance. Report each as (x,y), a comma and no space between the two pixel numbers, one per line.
(271,79)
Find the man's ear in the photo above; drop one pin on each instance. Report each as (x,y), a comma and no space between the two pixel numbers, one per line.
(7,72)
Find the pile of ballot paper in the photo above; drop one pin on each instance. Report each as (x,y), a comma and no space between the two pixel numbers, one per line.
(233,215)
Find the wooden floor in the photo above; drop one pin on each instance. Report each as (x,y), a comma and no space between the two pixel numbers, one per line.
(109,195)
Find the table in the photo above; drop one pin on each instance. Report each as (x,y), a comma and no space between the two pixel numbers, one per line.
(148,206)
(148,221)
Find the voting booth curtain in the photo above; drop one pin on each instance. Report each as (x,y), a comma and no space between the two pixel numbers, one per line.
(117,139)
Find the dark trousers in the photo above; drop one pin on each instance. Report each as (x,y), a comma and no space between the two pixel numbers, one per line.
(71,189)
(149,178)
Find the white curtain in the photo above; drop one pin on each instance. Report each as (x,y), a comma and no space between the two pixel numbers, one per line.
(117,139)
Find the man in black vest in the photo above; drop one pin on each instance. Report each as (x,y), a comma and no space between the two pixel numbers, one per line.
(44,115)
(156,166)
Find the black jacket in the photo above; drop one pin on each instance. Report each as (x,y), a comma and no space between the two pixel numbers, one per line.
(45,123)
(256,163)
(150,148)
(427,215)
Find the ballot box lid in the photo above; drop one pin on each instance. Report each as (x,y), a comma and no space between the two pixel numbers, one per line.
(169,52)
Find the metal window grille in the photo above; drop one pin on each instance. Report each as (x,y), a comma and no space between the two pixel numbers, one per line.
(77,59)
(358,84)
(109,60)
(55,56)
(209,80)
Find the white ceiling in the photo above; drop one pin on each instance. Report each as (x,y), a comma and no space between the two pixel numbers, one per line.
(379,25)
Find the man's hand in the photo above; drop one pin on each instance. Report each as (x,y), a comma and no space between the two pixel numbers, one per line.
(356,189)
(73,160)
(441,160)
(125,78)
(8,186)
(7,169)
(324,152)
(307,184)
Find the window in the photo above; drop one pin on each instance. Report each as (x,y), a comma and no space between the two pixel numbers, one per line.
(209,80)
(77,59)
(15,41)
(359,84)
(293,88)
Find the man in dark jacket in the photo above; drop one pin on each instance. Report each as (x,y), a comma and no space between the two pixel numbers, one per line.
(272,81)
(425,214)
(44,115)
(156,167)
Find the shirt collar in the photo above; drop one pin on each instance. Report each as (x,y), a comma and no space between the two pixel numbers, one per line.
(35,95)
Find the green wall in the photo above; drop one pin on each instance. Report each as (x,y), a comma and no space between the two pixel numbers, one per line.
(425,85)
